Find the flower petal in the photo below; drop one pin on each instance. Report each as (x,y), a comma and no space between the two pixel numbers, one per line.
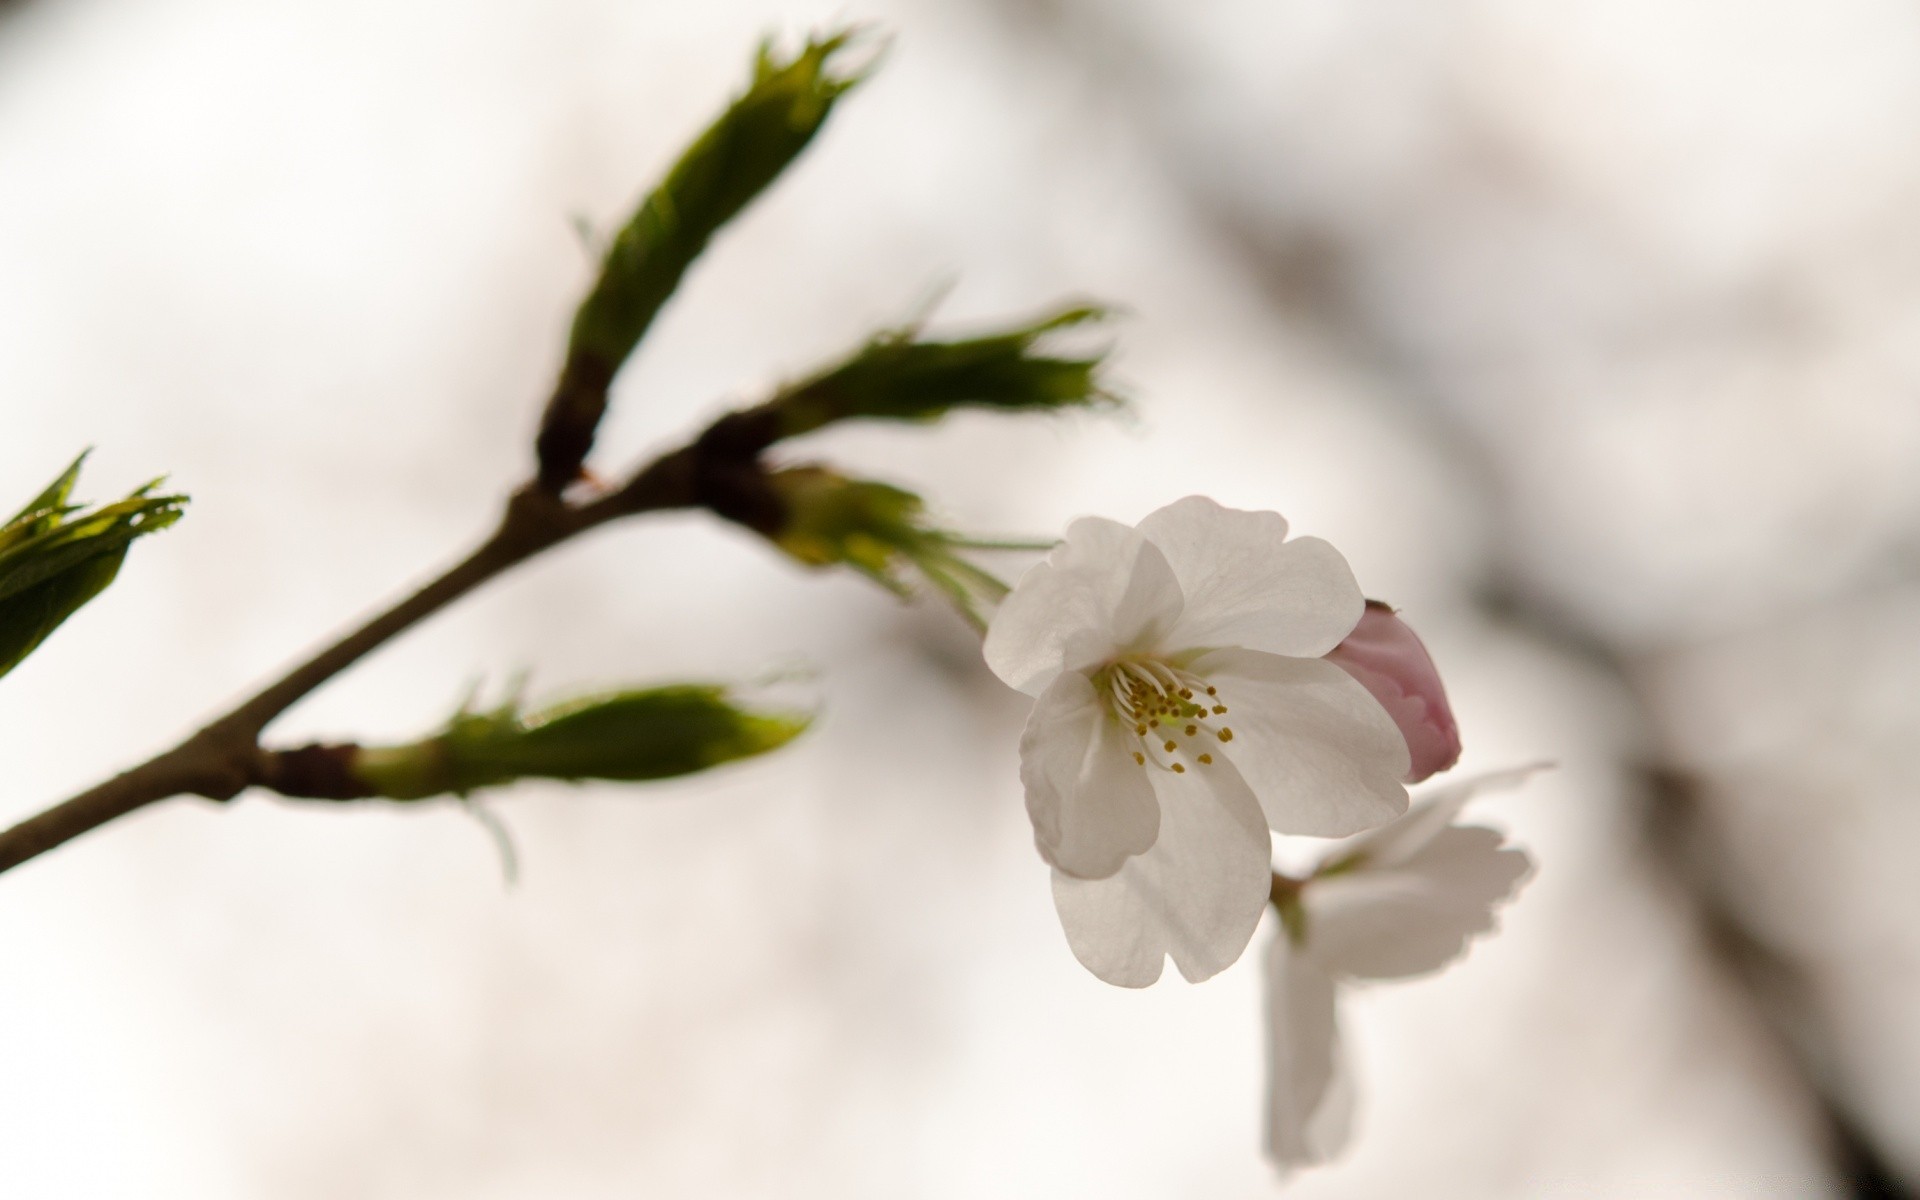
(1396,842)
(1392,663)
(1309,1092)
(1322,755)
(1416,917)
(1092,805)
(1247,585)
(1196,895)
(1104,588)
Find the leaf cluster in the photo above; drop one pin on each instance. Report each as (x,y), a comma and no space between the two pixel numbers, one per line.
(54,556)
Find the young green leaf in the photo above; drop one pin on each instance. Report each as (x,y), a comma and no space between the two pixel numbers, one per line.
(733,161)
(652,733)
(54,557)
(900,376)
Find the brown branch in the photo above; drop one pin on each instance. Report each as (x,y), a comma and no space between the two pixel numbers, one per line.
(224,758)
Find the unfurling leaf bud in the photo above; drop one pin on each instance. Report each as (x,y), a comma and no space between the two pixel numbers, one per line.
(878,530)
(735,159)
(898,376)
(829,519)
(654,733)
(55,557)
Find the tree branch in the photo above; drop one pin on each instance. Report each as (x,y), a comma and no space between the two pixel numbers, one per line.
(224,758)
(896,376)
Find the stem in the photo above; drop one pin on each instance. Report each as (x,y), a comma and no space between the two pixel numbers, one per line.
(223,759)
(1284,895)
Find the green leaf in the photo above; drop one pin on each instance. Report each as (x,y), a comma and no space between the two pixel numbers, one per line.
(899,376)
(54,557)
(652,733)
(734,160)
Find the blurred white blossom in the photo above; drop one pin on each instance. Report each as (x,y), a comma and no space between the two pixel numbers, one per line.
(1183,707)
(1398,901)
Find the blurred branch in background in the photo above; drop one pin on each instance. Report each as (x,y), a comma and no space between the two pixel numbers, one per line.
(1325,279)
(1681,843)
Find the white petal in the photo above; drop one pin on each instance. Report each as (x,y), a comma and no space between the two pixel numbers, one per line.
(1431,812)
(1102,589)
(1091,804)
(1247,585)
(1309,1092)
(1321,754)
(1415,917)
(1197,895)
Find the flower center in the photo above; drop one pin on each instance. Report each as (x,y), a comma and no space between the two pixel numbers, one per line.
(1173,714)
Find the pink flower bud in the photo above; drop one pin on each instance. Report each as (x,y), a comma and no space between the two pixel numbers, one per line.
(1387,658)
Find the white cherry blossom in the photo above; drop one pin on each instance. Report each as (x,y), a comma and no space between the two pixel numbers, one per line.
(1184,708)
(1400,901)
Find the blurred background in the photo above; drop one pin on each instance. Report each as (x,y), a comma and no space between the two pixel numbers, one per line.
(1589,331)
